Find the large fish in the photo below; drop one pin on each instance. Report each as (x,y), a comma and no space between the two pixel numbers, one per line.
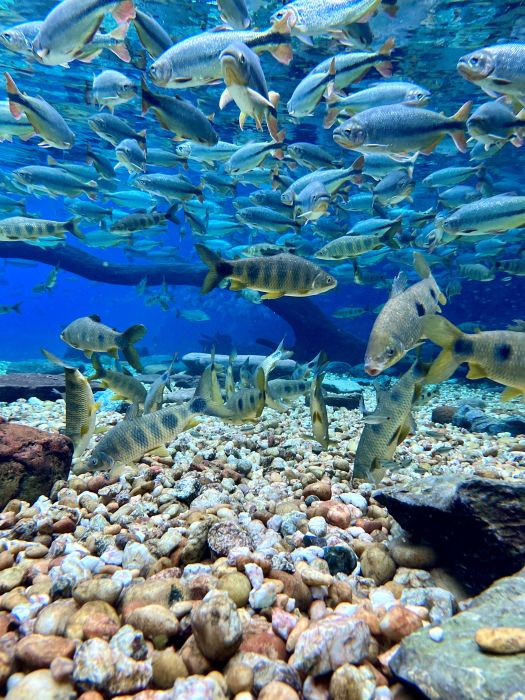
(90,335)
(388,425)
(399,326)
(495,355)
(276,276)
(152,36)
(54,182)
(498,70)
(490,215)
(81,408)
(307,18)
(23,228)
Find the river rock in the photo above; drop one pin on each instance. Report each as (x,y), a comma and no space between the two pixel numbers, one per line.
(217,626)
(456,666)
(474,524)
(42,686)
(329,643)
(31,461)
(38,650)
(225,536)
(501,640)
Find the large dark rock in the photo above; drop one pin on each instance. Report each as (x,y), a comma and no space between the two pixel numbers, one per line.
(349,401)
(476,525)
(455,668)
(46,387)
(31,461)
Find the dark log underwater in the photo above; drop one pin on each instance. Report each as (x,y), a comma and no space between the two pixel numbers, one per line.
(313,329)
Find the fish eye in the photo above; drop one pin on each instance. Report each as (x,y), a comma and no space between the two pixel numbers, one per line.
(390,352)
(474,60)
(7,37)
(280,14)
(242,58)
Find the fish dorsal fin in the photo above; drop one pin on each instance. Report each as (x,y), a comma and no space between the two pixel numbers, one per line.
(95,317)
(398,285)
(132,412)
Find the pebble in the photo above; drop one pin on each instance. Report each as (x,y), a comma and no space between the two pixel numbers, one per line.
(278,691)
(237,586)
(41,685)
(167,666)
(377,564)
(436,634)
(38,651)
(351,682)
(217,626)
(398,622)
(154,621)
(413,556)
(501,640)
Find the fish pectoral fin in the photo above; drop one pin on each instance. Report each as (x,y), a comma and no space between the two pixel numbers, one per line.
(226,98)
(476,371)
(259,99)
(510,393)
(236,285)
(428,149)
(273,295)
(114,353)
(242,119)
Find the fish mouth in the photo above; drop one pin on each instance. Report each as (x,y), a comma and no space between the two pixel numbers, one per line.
(372,371)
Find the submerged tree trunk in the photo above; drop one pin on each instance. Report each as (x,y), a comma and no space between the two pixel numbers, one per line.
(313,329)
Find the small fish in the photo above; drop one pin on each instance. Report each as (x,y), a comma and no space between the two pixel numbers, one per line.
(476,272)
(352,246)
(193,315)
(229,382)
(446,177)
(151,35)
(23,228)
(310,91)
(401,130)
(50,282)
(170,187)
(394,188)
(209,155)
(112,88)
(490,215)
(498,70)
(7,309)
(495,355)
(20,38)
(113,129)
(280,393)
(154,397)
(131,156)
(318,413)
(144,220)
(244,405)
(90,335)
(333,180)
(494,123)
(399,326)
(123,385)
(312,156)
(44,118)
(276,276)
(350,312)
(388,425)
(71,24)
(130,439)
(81,408)
(179,116)
(10,127)
(54,182)
(251,156)
(512,267)
(234,13)
(267,219)
(246,86)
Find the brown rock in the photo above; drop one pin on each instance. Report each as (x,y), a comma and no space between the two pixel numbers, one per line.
(339,592)
(75,625)
(91,695)
(153,621)
(321,489)
(294,587)
(217,626)
(31,461)
(413,556)
(266,644)
(443,414)
(351,682)
(239,678)
(276,690)
(501,640)
(377,564)
(38,651)
(61,669)
(339,515)
(100,625)
(398,622)
(167,667)
(237,586)
(6,560)
(194,659)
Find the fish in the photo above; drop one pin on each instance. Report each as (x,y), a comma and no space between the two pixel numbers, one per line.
(401,130)
(154,397)
(144,220)
(497,70)
(394,188)
(310,91)
(11,127)
(71,25)
(251,156)
(494,123)
(514,266)
(446,177)
(90,335)
(114,129)
(311,203)
(246,86)
(170,187)
(308,18)
(234,13)
(266,218)
(195,61)
(81,407)
(209,155)
(352,246)
(20,38)
(44,118)
(276,276)
(350,312)
(311,156)
(23,228)
(379,95)
(130,439)
(192,315)
(477,272)
(125,386)
(319,414)
(54,182)
(112,88)
(495,355)
(399,326)
(332,179)
(151,34)
(229,382)
(244,406)
(50,282)
(179,116)
(388,425)
(131,155)
(495,214)
(280,393)
(7,309)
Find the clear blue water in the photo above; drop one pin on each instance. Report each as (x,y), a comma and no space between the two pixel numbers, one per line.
(430,37)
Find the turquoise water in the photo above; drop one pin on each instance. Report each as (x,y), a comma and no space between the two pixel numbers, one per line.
(429,37)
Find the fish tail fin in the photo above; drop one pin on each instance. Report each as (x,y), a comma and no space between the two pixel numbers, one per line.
(389,238)
(124,11)
(462,114)
(121,51)
(271,118)
(357,166)
(457,122)
(214,263)
(126,343)
(14,96)
(171,214)
(16,307)
(120,32)
(72,227)
(444,333)
(387,47)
